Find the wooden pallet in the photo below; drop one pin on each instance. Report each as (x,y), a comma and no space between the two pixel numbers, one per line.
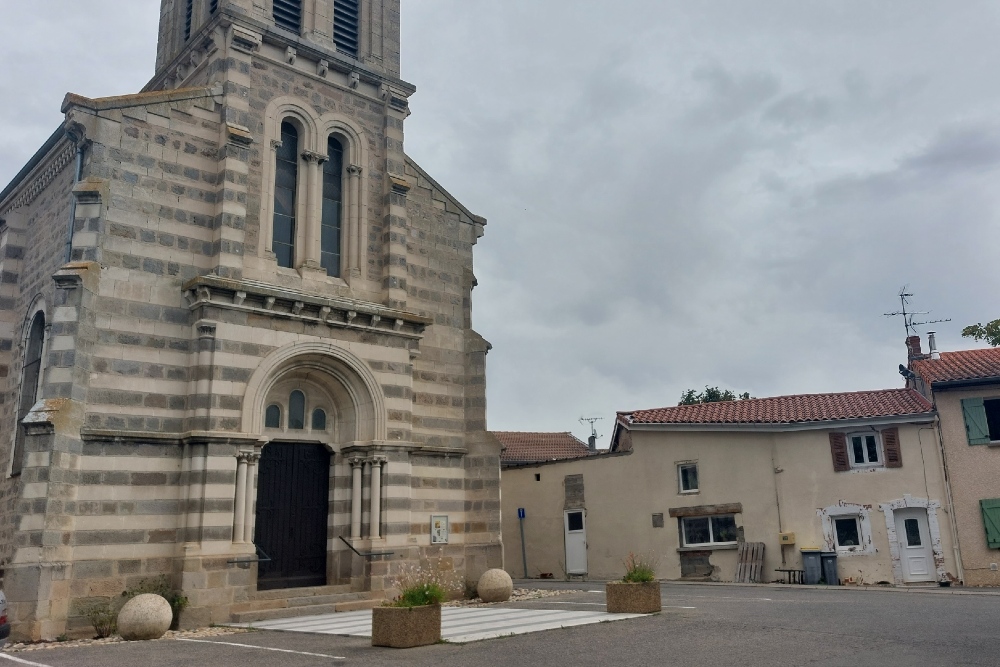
(750,556)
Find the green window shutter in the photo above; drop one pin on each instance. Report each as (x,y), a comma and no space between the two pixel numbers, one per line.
(991,519)
(975,421)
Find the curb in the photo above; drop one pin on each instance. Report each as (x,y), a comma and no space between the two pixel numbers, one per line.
(925,590)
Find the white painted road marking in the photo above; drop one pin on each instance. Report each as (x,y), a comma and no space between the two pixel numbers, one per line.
(262,648)
(21,660)
(458,624)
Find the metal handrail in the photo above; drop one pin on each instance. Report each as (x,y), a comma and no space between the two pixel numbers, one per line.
(367,554)
(256,558)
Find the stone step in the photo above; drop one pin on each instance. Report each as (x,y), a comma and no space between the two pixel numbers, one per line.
(284,593)
(292,612)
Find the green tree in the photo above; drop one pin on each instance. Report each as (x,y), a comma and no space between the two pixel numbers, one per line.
(990,332)
(711,395)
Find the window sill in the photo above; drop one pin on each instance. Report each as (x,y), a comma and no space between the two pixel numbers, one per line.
(695,492)
(710,547)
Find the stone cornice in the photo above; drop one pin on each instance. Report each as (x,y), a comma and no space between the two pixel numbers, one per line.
(282,302)
(159,437)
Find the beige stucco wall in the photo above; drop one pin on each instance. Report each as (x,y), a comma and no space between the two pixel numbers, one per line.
(622,492)
(972,470)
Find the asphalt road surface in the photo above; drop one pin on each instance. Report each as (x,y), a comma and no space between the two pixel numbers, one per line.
(699,625)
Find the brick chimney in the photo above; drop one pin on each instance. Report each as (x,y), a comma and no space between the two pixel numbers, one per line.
(913,348)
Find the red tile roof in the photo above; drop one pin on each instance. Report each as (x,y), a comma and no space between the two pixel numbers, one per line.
(790,409)
(529,447)
(962,365)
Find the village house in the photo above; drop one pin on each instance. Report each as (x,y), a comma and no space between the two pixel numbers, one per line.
(235,333)
(964,387)
(855,474)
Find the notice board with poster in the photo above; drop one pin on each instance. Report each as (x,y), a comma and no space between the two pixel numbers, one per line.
(439,529)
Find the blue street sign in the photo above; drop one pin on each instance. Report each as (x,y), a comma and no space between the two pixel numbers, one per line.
(520,512)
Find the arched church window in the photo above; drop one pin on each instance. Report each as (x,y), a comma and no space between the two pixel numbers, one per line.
(333,189)
(345,26)
(213,6)
(286,174)
(297,410)
(29,384)
(272,416)
(288,14)
(319,420)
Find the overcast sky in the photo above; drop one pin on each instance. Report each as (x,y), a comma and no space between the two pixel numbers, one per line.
(678,193)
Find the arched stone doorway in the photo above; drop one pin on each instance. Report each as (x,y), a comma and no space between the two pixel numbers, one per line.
(307,402)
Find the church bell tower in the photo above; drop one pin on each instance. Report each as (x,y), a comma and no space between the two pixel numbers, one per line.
(355,34)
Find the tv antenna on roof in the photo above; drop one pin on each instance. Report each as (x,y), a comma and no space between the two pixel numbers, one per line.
(593,429)
(904,300)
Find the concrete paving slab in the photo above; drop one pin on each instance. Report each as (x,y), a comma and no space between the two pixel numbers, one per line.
(458,624)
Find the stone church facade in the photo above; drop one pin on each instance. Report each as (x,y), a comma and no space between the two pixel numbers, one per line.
(235,330)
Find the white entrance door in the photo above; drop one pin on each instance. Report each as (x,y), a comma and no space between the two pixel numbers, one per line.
(915,550)
(575,522)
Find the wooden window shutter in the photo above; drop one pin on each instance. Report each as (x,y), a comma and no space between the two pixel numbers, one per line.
(838,448)
(976,426)
(890,445)
(991,519)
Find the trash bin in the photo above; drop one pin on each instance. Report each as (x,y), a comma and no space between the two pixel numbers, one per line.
(829,560)
(812,566)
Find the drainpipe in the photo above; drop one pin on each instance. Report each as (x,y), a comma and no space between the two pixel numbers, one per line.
(951,502)
(72,205)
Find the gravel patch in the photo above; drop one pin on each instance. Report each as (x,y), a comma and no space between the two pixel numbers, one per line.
(115,639)
(518,595)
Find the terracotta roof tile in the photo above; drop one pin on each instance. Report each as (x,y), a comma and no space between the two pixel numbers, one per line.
(526,446)
(961,365)
(790,409)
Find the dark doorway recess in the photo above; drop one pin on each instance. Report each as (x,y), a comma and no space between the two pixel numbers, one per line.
(293,490)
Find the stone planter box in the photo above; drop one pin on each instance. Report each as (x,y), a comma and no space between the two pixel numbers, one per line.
(630,598)
(406,627)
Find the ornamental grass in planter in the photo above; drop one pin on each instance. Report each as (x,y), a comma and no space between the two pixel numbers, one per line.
(414,617)
(638,592)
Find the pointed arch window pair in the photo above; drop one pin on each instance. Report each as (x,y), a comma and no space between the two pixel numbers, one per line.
(296,414)
(287,188)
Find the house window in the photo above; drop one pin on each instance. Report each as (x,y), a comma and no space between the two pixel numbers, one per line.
(991,519)
(345,26)
(286,174)
(982,420)
(272,417)
(333,189)
(288,14)
(864,450)
(687,477)
(709,530)
(30,376)
(847,530)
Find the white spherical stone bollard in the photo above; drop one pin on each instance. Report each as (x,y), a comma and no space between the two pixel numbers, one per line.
(495,586)
(145,616)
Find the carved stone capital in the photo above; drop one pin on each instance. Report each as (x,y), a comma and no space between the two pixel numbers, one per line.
(356,461)
(312,156)
(378,460)
(354,171)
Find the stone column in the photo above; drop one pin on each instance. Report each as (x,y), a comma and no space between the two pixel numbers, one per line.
(311,223)
(376,499)
(250,496)
(356,243)
(239,513)
(356,465)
